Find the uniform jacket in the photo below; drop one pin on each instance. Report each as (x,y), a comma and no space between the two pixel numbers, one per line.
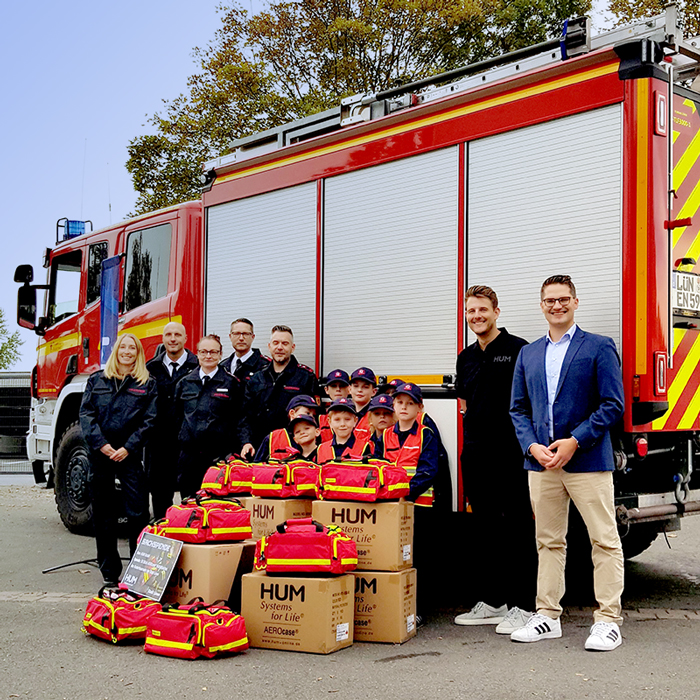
(589,400)
(246,370)
(210,416)
(166,427)
(117,412)
(266,397)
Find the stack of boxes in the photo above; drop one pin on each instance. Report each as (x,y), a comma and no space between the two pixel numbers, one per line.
(385,580)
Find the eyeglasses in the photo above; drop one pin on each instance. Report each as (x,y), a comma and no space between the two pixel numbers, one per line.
(245,334)
(563,301)
(209,353)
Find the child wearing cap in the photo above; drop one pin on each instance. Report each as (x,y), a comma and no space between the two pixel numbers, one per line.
(337,386)
(279,443)
(363,386)
(342,419)
(305,433)
(381,416)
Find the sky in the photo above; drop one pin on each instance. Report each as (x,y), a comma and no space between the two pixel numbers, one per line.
(79,81)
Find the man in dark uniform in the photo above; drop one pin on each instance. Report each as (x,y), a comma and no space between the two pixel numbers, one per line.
(163,450)
(245,360)
(268,392)
(505,566)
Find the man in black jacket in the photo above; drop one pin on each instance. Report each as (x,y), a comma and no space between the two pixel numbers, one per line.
(268,392)
(163,450)
(245,360)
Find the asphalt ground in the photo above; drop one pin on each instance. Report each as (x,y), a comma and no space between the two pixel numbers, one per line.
(44,654)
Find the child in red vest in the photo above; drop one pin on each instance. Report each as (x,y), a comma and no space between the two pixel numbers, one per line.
(279,443)
(337,387)
(305,432)
(363,386)
(342,419)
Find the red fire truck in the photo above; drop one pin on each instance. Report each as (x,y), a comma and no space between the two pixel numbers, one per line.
(361,228)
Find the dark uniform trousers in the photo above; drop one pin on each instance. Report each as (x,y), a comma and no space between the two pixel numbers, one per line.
(163,450)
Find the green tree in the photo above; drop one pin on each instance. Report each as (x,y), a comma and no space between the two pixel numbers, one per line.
(296,58)
(627,11)
(9,344)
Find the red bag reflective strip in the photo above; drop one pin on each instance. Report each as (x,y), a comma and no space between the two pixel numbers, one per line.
(295,479)
(407,456)
(194,630)
(374,481)
(118,615)
(303,545)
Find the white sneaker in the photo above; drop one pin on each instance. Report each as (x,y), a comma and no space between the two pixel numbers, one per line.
(604,636)
(482,614)
(538,627)
(514,620)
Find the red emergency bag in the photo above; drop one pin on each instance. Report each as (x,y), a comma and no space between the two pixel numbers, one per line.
(203,519)
(115,615)
(295,479)
(229,477)
(304,545)
(374,480)
(194,630)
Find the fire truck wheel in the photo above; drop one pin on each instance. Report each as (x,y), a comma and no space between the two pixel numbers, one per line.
(638,538)
(71,477)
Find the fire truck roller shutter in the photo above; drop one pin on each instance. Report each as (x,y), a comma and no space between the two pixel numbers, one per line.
(555,191)
(390,266)
(261,264)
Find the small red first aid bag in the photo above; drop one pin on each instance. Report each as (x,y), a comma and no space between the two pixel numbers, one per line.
(116,615)
(194,630)
(233,476)
(374,480)
(295,479)
(201,519)
(304,545)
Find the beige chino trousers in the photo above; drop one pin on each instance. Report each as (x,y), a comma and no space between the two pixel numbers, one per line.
(592,493)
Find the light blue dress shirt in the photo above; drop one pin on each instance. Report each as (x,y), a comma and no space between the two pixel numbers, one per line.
(553,360)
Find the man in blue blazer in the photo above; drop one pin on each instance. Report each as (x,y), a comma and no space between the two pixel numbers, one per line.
(567,395)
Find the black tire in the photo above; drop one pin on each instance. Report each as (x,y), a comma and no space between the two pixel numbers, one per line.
(71,477)
(638,538)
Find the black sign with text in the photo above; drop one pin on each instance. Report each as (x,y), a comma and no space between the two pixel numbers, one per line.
(150,568)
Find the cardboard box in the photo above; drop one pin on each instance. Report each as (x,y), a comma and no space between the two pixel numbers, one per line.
(385,606)
(267,513)
(383,531)
(212,571)
(298,613)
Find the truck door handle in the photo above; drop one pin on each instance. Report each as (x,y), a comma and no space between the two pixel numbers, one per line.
(86,347)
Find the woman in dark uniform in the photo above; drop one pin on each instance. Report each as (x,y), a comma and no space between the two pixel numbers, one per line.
(209,401)
(116,415)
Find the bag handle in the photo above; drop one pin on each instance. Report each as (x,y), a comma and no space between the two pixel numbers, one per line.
(282,527)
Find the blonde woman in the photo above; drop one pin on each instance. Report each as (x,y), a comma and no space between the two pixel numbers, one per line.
(116,416)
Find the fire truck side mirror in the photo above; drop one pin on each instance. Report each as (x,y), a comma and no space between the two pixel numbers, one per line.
(26,306)
(24,273)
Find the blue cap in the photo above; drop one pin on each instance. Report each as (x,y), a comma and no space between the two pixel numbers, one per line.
(381,401)
(303,418)
(364,373)
(302,400)
(411,390)
(395,382)
(338,375)
(344,404)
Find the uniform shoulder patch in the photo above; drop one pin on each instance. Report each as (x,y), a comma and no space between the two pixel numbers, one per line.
(308,369)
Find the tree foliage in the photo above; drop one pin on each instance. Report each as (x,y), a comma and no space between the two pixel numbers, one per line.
(627,11)
(296,58)
(9,344)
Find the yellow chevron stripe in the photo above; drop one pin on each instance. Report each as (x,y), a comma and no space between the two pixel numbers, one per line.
(641,225)
(686,161)
(676,134)
(680,380)
(691,104)
(540,89)
(691,413)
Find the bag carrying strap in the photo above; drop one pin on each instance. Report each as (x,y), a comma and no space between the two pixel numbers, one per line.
(282,527)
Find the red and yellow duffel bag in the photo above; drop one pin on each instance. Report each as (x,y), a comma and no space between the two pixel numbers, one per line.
(233,476)
(115,615)
(194,630)
(374,480)
(202,519)
(303,545)
(295,479)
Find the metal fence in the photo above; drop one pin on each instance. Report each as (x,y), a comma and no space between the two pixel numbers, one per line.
(15,402)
